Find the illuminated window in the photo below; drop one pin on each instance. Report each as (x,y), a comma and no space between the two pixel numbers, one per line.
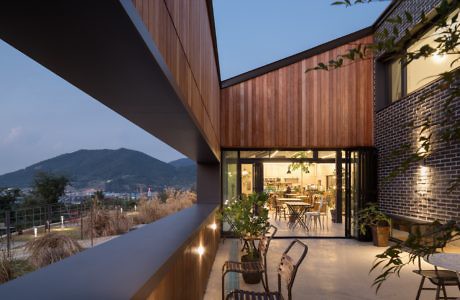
(403,80)
(424,70)
(395,87)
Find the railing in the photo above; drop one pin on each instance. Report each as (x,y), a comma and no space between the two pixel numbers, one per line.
(168,259)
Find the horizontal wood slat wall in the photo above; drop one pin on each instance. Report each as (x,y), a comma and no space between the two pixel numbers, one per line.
(291,109)
(181,31)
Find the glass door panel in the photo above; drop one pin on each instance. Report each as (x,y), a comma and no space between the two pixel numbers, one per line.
(247,179)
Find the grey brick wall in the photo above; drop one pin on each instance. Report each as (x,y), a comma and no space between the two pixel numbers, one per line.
(421,192)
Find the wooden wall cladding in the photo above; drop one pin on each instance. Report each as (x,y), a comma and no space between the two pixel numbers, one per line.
(188,276)
(181,31)
(291,109)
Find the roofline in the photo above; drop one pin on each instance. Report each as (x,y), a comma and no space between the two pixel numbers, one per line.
(297,57)
(212,26)
(390,8)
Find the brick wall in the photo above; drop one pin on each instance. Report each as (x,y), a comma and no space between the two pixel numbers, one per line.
(421,192)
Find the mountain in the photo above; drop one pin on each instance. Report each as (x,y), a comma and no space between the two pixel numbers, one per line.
(182,162)
(121,170)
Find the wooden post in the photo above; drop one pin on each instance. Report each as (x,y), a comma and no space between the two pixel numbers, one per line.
(92,225)
(81,220)
(8,232)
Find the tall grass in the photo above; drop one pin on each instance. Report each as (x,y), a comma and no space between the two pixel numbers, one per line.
(6,267)
(105,223)
(163,204)
(50,248)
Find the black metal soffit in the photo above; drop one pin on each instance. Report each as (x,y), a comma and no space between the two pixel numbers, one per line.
(104,49)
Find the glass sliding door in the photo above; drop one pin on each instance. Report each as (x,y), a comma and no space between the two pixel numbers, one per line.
(331,184)
(247,179)
(351,192)
(360,187)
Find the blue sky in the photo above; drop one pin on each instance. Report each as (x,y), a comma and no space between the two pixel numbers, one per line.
(42,116)
(252,33)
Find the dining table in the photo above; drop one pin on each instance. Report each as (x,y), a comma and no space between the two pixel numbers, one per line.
(289,199)
(297,212)
(292,195)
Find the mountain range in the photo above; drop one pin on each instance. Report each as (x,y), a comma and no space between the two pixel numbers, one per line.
(121,170)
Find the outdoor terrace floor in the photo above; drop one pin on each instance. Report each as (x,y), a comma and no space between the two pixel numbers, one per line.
(333,269)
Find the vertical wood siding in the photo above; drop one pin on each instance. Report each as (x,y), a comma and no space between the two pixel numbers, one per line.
(181,31)
(292,109)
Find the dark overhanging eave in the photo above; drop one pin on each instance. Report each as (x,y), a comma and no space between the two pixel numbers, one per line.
(298,57)
(104,49)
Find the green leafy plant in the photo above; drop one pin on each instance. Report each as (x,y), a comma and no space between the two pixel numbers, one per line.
(249,217)
(372,216)
(303,166)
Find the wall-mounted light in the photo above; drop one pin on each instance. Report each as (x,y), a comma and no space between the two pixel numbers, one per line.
(213,226)
(244,173)
(200,250)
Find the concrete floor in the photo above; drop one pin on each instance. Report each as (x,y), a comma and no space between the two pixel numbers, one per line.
(328,229)
(333,269)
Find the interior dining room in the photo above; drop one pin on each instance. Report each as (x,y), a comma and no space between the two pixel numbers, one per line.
(311,193)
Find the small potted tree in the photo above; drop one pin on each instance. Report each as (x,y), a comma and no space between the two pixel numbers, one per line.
(249,216)
(372,217)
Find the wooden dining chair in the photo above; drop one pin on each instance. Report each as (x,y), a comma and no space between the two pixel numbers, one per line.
(287,272)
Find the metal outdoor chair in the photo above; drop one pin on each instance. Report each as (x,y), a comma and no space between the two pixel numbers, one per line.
(252,267)
(287,272)
(440,278)
(316,215)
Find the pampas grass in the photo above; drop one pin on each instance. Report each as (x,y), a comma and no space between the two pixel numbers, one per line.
(168,202)
(106,223)
(50,248)
(6,267)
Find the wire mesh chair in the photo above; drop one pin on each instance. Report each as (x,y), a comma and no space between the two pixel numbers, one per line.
(440,278)
(259,266)
(287,272)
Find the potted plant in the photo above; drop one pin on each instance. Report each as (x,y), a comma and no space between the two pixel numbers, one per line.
(249,216)
(372,217)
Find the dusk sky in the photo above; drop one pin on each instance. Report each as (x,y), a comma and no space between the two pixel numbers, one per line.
(42,116)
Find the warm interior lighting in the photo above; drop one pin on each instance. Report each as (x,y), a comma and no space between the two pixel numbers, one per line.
(329,155)
(200,250)
(439,58)
(213,226)
(244,173)
(274,154)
